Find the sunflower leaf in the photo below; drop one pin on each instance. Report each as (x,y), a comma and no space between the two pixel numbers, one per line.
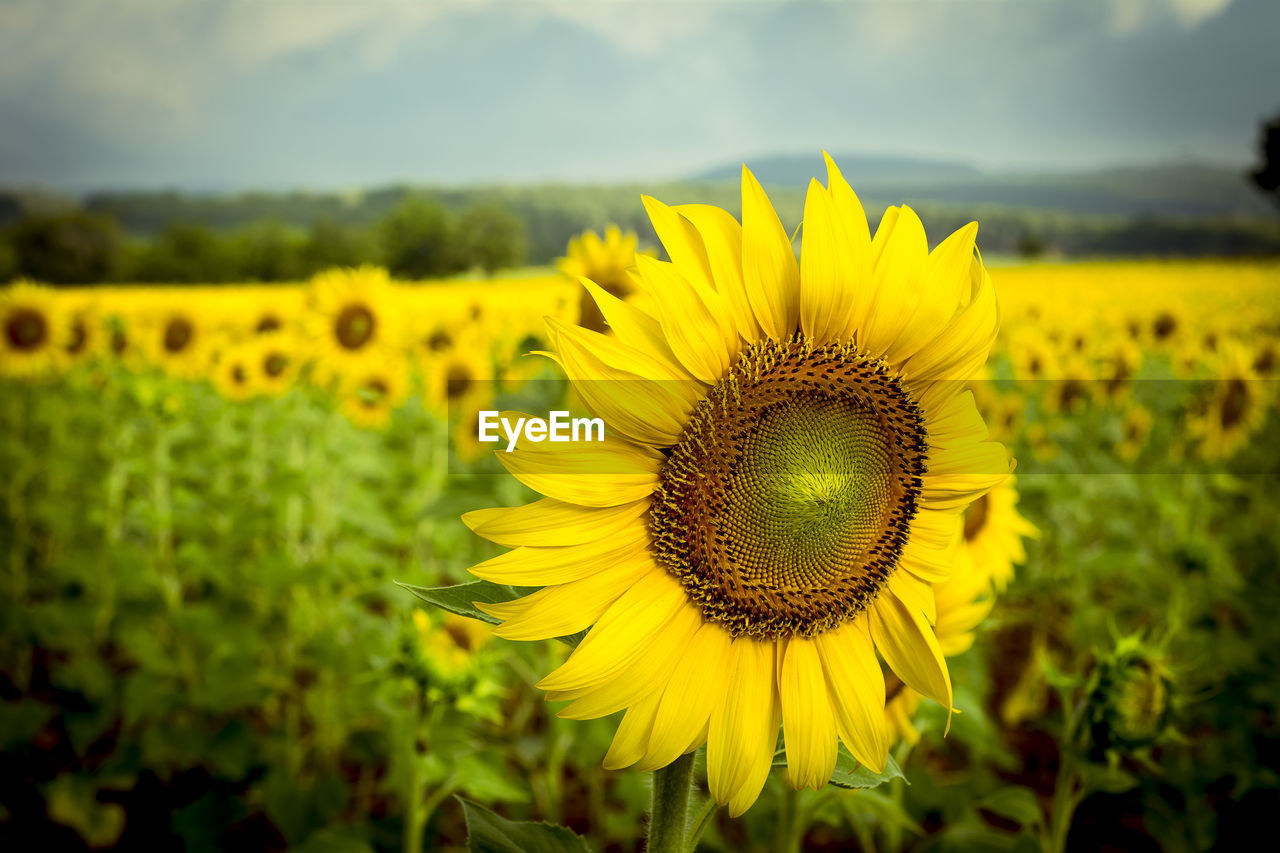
(461,599)
(849,773)
(490,833)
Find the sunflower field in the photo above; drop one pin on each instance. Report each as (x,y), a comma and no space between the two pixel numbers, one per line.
(257,591)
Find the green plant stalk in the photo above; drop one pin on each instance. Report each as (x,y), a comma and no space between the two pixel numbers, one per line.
(669,820)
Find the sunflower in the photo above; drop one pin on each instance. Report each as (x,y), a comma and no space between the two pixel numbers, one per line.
(961,602)
(605,262)
(351,317)
(235,371)
(179,341)
(773,509)
(1237,405)
(371,391)
(277,359)
(1120,362)
(1135,427)
(35,330)
(994,530)
(451,646)
(460,378)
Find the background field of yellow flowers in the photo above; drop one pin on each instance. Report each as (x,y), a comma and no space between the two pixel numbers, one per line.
(230,424)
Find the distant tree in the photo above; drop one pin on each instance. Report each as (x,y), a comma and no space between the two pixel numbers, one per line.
(186,252)
(491,237)
(418,240)
(332,244)
(1267,175)
(269,251)
(1031,244)
(67,248)
(8,261)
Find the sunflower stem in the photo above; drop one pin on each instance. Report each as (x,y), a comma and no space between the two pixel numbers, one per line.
(669,820)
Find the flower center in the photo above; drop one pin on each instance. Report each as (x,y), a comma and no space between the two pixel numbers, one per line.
(1235,403)
(26,329)
(274,364)
(785,504)
(354,326)
(178,334)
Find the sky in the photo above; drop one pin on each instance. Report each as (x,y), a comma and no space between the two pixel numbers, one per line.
(335,94)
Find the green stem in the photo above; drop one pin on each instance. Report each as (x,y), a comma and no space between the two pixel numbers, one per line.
(668,823)
(700,823)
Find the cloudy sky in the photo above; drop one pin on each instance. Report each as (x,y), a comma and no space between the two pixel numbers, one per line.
(223,94)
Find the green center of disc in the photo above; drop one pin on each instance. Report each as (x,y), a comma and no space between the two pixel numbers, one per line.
(785,504)
(810,492)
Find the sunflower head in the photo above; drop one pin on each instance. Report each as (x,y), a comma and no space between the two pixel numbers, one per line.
(606,262)
(34,329)
(371,391)
(790,448)
(352,315)
(235,373)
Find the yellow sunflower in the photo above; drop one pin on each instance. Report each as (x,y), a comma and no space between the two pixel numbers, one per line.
(961,602)
(35,330)
(179,341)
(1237,405)
(459,378)
(994,530)
(789,452)
(452,645)
(277,360)
(352,316)
(606,262)
(235,371)
(371,391)
(1135,427)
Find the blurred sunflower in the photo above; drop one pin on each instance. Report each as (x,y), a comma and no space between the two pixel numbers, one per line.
(277,360)
(604,262)
(962,601)
(994,530)
(179,342)
(451,646)
(460,378)
(772,507)
(1134,427)
(84,335)
(1237,405)
(371,391)
(351,316)
(1120,361)
(235,370)
(35,330)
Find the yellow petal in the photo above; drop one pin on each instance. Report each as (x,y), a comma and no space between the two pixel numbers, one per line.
(613,352)
(895,282)
(564,609)
(808,721)
(632,326)
(853,251)
(769,268)
(598,473)
(825,296)
(643,409)
(696,680)
(622,634)
(939,293)
(758,772)
(552,523)
(681,240)
(534,566)
(857,686)
(742,733)
(632,735)
(647,673)
(722,236)
(915,593)
(694,319)
(961,349)
(908,645)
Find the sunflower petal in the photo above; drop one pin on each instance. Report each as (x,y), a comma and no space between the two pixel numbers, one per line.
(896,282)
(743,733)
(535,566)
(825,297)
(808,719)
(696,680)
(908,645)
(552,523)
(695,319)
(769,267)
(722,237)
(632,735)
(857,686)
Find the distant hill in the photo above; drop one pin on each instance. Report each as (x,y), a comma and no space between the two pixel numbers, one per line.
(1167,189)
(796,170)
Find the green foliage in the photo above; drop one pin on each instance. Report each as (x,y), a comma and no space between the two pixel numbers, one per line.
(490,833)
(68,248)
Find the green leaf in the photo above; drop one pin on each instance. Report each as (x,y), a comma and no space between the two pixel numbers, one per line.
(1016,804)
(461,599)
(849,773)
(489,833)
